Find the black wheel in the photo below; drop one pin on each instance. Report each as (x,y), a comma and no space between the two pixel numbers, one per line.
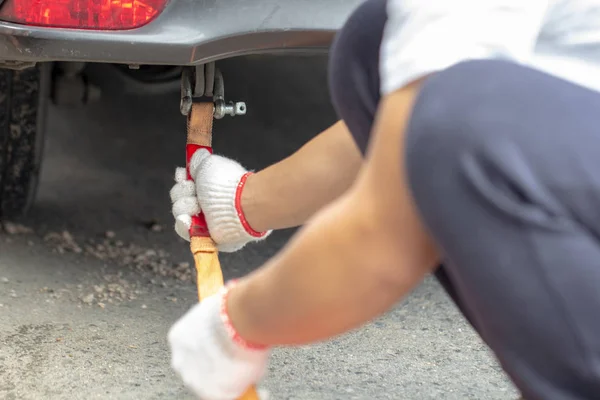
(23,105)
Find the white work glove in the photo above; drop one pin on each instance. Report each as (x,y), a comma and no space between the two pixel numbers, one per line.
(184,201)
(214,190)
(207,356)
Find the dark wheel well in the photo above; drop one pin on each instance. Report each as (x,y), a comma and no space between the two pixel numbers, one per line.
(23,106)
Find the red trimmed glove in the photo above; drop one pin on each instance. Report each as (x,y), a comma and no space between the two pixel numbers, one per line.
(210,357)
(217,191)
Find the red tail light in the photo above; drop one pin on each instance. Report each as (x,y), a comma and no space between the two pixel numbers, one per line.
(82,14)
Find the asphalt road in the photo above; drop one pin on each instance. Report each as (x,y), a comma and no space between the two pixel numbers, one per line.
(88,295)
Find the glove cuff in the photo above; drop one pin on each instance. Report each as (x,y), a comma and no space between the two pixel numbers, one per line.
(222,204)
(240,212)
(229,328)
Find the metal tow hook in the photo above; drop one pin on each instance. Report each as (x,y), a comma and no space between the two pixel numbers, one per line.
(208,80)
(222,107)
(187,95)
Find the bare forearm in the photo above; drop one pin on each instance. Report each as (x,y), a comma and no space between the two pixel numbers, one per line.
(336,274)
(286,194)
(316,287)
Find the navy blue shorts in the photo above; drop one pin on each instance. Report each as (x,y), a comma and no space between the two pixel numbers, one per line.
(504,165)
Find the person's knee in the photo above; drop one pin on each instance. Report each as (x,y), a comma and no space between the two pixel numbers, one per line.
(455,119)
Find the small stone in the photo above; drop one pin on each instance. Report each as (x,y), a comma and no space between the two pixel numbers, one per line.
(150,253)
(88,299)
(156,228)
(63,242)
(144,306)
(4,279)
(152,225)
(110,235)
(16,229)
(101,305)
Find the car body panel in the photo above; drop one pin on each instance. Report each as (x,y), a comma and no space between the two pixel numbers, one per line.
(188,32)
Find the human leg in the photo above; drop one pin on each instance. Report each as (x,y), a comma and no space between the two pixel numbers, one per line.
(503,164)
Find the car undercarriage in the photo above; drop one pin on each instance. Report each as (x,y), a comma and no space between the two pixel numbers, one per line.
(45,46)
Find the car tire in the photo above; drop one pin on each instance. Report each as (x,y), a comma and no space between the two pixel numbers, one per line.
(24,98)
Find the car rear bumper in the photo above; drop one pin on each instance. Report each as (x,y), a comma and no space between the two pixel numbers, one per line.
(188,32)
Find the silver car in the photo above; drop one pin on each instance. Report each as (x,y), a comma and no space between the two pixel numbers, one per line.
(45,44)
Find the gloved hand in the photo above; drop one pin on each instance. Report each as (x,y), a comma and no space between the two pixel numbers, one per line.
(185,203)
(216,189)
(209,356)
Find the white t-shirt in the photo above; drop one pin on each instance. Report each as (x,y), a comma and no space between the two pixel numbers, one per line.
(561,37)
